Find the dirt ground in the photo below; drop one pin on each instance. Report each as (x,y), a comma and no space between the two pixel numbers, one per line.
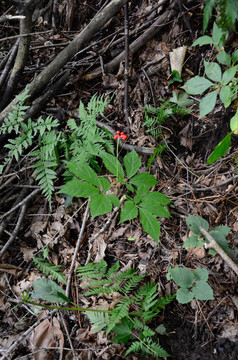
(200,329)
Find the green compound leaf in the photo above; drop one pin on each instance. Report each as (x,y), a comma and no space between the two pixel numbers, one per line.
(224,58)
(220,150)
(115,201)
(229,74)
(201,274)
(219,237)
(213,71)
(225,95)
(183,277)
(99,205)
(184,296)
(106,185)
(78,188)
(194,222)
(83,171)
(203,291)
(150,224)
(132,163)
(143,179)
(208,103)
(197,85)
(234,56)
(234,123)
(158,197)
(113,165)
(154,208)
(128,212)
(217,34)
(203,40)
(193,241)
(47,290)
(123,331)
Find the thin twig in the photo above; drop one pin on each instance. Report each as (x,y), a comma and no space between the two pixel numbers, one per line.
(76,250)
(126,70)
(214,245)
(69,338)
(27,332)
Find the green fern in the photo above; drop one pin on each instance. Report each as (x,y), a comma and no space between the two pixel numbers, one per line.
(144,299)
(50,269)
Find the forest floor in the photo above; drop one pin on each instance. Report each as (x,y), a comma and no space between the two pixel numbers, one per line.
(199,329)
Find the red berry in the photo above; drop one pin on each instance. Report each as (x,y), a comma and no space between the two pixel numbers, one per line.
(122,133)
(118,132)
(123,137)
(115,137)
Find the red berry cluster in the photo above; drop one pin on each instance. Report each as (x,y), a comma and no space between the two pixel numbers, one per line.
(120,134)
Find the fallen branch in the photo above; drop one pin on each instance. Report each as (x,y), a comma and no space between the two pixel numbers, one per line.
(214,245)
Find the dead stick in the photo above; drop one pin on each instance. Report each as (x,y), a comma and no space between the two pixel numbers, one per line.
(214,245)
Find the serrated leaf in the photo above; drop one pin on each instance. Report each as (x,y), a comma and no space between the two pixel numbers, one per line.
(105,183)
(132,163)
(154,208)
(203,40)
(224,58)
(234,123)
(207,13)
(219,237)
(220,150)
(150,224)
(234,56)
(113,165)
(208,103)
(78,188)
(143,179)
(159,197)
(183,277)
(217,33)
(128,212)
(123,331)
(99,204)
(225,95)
(47,290)
(184,296)
(213,71)
(83,171)
(114,199)
(229,74)
(194,222)
(197,85)
(203,291)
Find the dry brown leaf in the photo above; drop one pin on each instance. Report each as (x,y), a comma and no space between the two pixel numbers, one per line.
(25,284)
(11,269)
(47,334)
(99,248)
(28,253)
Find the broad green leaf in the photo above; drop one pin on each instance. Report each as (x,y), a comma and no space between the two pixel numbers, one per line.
(219,237)
(130,188)
(113,165)
(193,241)
(234,56)
(143,179)
(114,199)
(129,211)
(132,163)
(83,171)
(105,183)
(207,13)
(224,58)
(197,85)
(217,34)
(154,208)
(194,222)
(78,188)
(183,277)
(142,190)
(234,123)
(213,71)
(208,103)
(99,204)
(47,290)
(159,197)
(201,274)
(150,224)
(203,291)
(229,74)
(184,296)
(225,95)
(123,331)
(203,40)
(220,150)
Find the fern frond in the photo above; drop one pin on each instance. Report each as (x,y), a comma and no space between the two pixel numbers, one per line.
(147,346)
(162,302)
(131,284)
(145,330)
(50,269)
(119,312)
(92,270)
(98,320)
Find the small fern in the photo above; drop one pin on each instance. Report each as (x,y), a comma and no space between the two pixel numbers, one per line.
(50,269)
(120,321)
